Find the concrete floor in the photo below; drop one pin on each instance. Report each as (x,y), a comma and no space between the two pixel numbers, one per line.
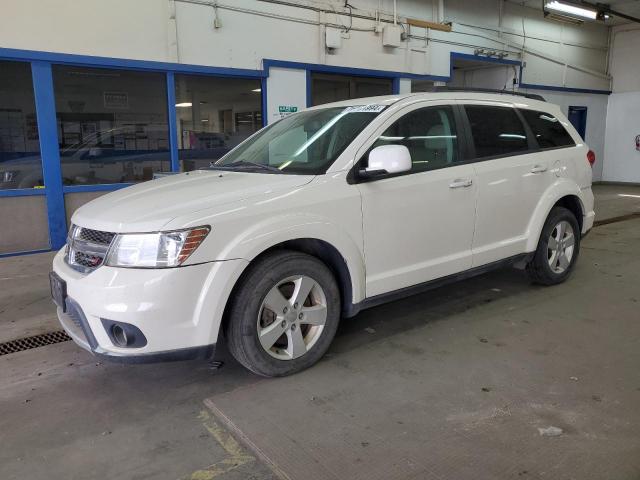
(65,415)
(455,384)
(614,200)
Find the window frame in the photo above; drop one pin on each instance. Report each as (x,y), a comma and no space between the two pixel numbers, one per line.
(538,147)
(532,144)
(27,191)
(464,156)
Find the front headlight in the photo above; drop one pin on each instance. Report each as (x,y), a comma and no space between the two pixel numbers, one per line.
(155,250)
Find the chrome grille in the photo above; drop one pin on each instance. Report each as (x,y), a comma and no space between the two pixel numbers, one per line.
(86,248)
(102,238)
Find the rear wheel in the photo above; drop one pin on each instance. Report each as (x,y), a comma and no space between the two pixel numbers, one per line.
(284,315)
(557,249)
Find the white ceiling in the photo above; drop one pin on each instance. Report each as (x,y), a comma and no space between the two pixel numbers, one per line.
(629,7)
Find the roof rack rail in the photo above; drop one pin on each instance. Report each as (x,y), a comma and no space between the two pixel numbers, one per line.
(533,96)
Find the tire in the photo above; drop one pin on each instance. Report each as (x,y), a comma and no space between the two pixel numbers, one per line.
(550,265)
(269,301)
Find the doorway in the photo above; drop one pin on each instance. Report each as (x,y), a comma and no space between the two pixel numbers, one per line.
(473,71)
(578,118)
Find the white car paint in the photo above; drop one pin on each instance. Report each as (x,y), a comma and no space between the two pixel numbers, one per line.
(392,233)
(150,206)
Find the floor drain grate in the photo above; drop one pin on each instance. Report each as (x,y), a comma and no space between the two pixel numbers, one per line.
(36,341)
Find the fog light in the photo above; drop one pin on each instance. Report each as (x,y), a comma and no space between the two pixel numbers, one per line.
(124,335)
(119,335)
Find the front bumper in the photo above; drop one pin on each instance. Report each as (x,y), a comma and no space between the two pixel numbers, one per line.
(179,310)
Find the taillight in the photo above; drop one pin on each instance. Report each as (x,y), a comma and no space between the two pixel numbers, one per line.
(591,157)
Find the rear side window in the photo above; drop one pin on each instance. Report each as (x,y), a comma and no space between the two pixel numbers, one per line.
(429,134)
(547,129)
(496,130)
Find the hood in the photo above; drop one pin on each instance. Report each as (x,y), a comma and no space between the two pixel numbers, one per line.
(151,205)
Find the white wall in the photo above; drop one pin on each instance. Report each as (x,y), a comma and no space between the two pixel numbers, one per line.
(113,28)
(622,160)
(623,63)
(286,87)
(251,30)
(623,124)
(404,86)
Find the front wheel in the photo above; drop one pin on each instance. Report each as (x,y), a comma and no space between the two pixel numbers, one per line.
(284,314)
(557,250)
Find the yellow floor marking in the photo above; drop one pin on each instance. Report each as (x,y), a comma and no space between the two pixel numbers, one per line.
(236,454)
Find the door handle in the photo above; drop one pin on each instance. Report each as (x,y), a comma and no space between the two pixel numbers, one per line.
(539,169)
(461,183)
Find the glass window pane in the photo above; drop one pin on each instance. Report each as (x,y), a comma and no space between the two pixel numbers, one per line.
(422,86)
(213,116)
(304,143)
(547,129)
(496,130)
(429,134)
(112,124)
(372,87)
(327,87)
(20,163)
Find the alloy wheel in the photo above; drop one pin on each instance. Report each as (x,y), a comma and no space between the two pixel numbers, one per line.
(292,317)
(560,247)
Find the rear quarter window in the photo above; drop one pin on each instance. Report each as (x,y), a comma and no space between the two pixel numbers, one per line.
(547,129)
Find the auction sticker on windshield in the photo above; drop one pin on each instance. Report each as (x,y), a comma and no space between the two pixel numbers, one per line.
(372,108)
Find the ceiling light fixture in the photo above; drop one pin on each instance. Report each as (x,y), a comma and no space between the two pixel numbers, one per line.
(571,9)
(257,90)
(183,104)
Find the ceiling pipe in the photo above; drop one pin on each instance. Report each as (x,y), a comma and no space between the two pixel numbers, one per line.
(604,8)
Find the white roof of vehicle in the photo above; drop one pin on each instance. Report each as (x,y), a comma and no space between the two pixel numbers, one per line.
(452,95)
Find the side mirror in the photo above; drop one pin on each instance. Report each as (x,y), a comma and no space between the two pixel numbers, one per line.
(387,159)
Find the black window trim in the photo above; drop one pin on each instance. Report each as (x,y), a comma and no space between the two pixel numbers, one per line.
(534,147)
(461,146)
(532,144)
(466,148)
(538,148)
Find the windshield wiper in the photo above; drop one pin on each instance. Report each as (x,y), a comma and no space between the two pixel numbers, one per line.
(245,164)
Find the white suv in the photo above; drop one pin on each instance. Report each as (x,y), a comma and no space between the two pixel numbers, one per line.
(326,212)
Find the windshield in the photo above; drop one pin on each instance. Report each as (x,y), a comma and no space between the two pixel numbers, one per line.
(303,143)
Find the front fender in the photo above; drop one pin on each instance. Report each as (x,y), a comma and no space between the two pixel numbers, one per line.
(561,188)
(272,231)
